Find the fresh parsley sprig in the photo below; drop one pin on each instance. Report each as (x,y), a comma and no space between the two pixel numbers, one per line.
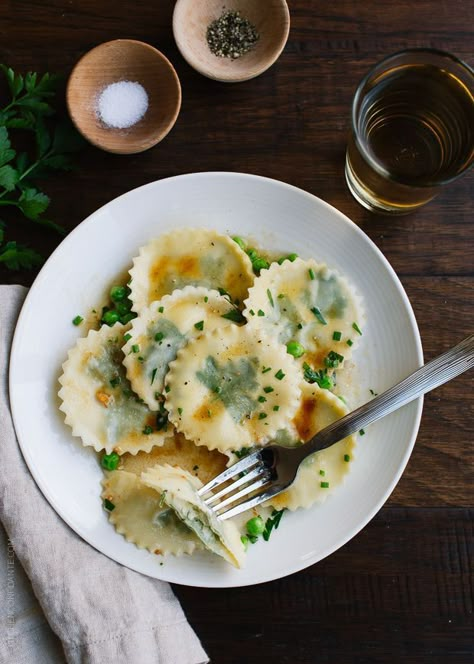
(16,256)
(29,108)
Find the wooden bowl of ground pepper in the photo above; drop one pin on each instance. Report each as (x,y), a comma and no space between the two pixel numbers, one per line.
(231,41)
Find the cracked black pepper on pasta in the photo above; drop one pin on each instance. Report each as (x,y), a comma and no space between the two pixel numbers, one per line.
(231,35)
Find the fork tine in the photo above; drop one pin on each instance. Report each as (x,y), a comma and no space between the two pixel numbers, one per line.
(244,464)
(265,477)
(252,502)
(243,480)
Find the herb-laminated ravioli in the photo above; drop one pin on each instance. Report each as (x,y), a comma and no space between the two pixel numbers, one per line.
(321,473)
(179,490)
(161,329)
(306,304)
(140,515)
(232,388)
(189,257)
(98,401)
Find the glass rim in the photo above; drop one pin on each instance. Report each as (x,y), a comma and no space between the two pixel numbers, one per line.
(372,161)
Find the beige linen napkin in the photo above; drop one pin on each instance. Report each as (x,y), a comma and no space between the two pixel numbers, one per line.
(103,613)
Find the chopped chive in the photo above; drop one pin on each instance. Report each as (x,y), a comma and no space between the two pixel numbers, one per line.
(159,336)
(322,473)
(349,342)
(281,296)
(199,325)
(279,375)
(324,485)
(180,411)
(362,432)
(167,389)
(262,416)
(317,312)
(266,369)
(161,309)
(268,389)
(292,257)
(252,312)
(374,394)
(140,359)
(206,299)
(153,374)
(195,467)
(276,408)
(222,291)
(162,498)
(245,541)
(115,381)
(77,320)
(260,313)
(347,458)
(135,348)
(148,430)
(109,506)
(341,398)
(299,326)
(311,274)
(357,328)
(127,337)
(209,413)
(333,360)
(110,461)
(336,336)
(270,297)
(261,399)
(234,315)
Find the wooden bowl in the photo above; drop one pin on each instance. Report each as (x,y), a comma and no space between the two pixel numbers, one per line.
(191,18)
(119,60)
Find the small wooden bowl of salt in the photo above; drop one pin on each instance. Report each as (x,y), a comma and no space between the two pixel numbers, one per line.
(231,40)
(124,96)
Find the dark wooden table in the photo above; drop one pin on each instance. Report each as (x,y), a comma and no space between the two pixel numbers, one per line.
(401,591)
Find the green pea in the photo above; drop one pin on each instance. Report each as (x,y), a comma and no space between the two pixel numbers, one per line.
(260,264)
(110,461)
(126,318)
(296,349)
(255,526)
(122,308)
(238,240)
(252,254)
(110,317)
(290,257)
(118,293)
(245,541)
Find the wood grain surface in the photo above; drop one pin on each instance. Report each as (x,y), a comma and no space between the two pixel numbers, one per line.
(401,590)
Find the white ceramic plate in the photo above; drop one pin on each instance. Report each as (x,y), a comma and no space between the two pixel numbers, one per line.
(281,218)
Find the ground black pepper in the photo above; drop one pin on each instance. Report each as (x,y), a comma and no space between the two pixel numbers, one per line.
(231,35)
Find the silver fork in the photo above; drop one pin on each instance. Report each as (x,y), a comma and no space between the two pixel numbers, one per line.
(269,470)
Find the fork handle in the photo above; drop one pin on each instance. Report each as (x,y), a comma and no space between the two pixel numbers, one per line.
(433,374)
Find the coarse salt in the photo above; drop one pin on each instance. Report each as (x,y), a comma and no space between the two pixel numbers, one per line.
(121,105)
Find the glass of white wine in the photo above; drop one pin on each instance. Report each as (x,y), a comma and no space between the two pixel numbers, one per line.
(412,130)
